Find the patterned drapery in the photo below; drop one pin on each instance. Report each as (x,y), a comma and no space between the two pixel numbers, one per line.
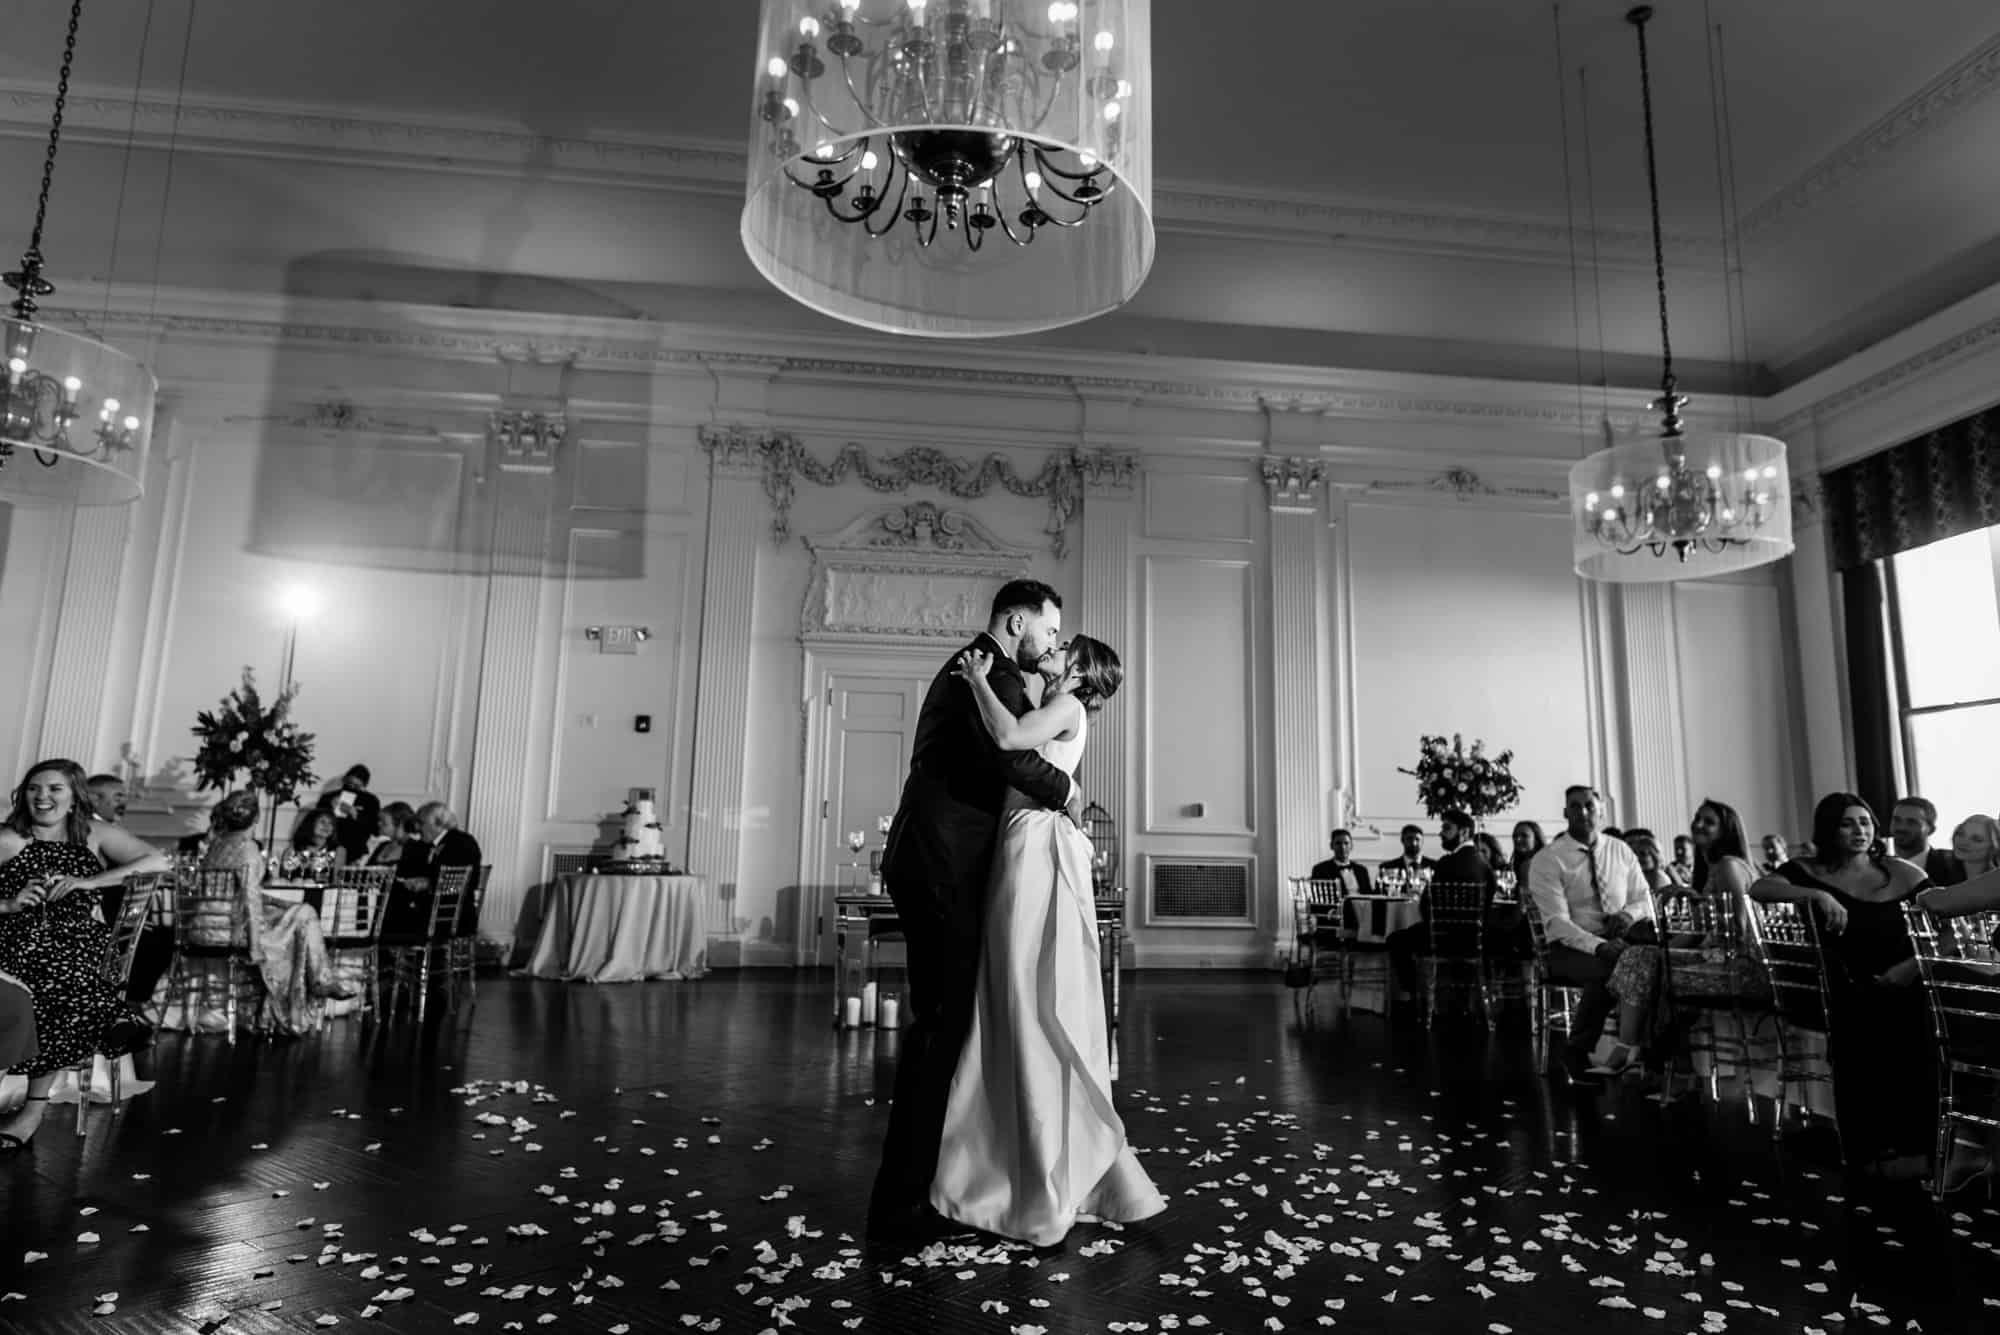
(1934,487)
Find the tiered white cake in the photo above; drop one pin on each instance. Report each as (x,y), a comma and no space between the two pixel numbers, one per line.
(641,840)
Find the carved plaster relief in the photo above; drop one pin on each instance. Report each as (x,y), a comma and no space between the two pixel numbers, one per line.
(917,571)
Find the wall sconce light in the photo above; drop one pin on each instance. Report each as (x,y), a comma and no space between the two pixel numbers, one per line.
(618,639)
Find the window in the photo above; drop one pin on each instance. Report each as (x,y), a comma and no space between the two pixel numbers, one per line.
(1944,603)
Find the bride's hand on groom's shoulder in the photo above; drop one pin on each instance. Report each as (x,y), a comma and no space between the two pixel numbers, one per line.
(972,665)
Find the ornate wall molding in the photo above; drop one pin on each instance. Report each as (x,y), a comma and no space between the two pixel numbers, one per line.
(1292,482)
(341,417)
(526,441)
(918,571)
(1463,485)
(1107,469)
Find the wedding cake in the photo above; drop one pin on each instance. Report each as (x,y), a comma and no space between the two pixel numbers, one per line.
(641,839)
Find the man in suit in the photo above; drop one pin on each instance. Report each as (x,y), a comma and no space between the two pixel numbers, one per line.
(1413,860)
(1462,864)
(439,844)
(935,869)
(1342,867)
(356,812)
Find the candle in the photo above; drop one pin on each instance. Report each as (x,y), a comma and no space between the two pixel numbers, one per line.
(850,1012)
(868,1003)
(891,1013)
(874,885)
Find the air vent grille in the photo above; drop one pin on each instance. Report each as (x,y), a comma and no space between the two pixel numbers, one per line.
(1209,891)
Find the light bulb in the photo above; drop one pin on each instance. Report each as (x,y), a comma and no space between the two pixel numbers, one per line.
(131,424)
(849,6)
(1763,498)
(792,105)
(1728,516)
(1610,516)
(1034,180)
(1102,42)
(1088,161)
(1591,500)
(18,365)
(110,407)
(775,67)
(868,160)
(824,149)
(1112,110)
(71,386)
(1770,470)
(1749,475)
(808,27)
(1663,482)
(1715,472)
(917,10)
(1125,88)
(1618,491)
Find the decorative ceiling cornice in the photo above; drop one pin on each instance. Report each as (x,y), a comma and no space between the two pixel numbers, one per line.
(1938,102)
(1921,363)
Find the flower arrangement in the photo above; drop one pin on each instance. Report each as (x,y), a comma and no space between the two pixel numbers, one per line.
(244,736)
(1451,777)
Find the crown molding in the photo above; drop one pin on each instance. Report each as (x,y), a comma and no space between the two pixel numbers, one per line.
(322,134)
(1965,84)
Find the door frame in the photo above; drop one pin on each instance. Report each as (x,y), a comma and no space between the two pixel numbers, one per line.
(891,658)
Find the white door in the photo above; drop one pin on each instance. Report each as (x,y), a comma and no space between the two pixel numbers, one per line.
(870,721)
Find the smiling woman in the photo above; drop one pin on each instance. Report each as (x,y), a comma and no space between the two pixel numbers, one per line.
(50,850)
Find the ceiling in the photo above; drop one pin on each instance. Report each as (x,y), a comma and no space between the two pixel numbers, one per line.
(1414,151)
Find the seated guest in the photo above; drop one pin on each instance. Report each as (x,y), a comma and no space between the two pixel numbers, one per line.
(1912,823)
(1645,846)
(1975,844)
(53,860)
(318,833)
(1413,863)
(17,1022)
(439,844)
(285,939)
(1683,867)
(1885,1081)
(1589,895)
(1342,867)
(1775,853)
(1489,848)
(1462,864)
(395,831)
(356,812)
(107,798)
(1970,1158)
(1528,841)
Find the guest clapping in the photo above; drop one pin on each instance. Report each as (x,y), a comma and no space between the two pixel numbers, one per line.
(53,858)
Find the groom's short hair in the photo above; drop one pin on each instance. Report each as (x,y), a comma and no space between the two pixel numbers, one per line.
(1023,595)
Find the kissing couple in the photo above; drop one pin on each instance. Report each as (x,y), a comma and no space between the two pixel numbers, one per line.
(1002,1119)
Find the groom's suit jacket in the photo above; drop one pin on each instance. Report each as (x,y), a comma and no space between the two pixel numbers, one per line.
(941,841)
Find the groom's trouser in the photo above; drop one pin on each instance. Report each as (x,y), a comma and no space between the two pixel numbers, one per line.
(943,973)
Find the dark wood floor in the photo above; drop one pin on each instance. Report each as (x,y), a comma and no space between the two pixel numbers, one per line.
(696,1156)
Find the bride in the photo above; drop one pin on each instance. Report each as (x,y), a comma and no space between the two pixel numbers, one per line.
(1031,1141)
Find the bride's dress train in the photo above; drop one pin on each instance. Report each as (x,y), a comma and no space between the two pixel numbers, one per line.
(1031,1140)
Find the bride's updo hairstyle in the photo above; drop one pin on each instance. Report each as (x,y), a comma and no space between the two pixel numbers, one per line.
(1098,672)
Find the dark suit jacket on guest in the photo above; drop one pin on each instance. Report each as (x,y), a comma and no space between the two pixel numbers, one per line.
(941,840)
(1396,864)
(1355,874)
(408,913)
(1464,865)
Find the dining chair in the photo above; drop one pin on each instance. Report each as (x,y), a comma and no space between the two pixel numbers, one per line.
(463,963)
(1551,1005)
(1715,921)
(1785,941)
(1960,967)
(211,937)
(414,959)
(1455,915)
(1319,941)
(121,947)
(351,920)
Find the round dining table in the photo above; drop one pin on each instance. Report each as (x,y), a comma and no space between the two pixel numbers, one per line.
(603,928)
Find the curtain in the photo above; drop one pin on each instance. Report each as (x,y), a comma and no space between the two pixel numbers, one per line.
(1922,491)
(1870,698)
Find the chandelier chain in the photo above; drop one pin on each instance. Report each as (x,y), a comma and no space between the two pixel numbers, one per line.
(1638,18)
(28,282)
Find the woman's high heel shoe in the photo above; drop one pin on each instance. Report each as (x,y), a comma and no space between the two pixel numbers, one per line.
(1618,1059)
(13,1144)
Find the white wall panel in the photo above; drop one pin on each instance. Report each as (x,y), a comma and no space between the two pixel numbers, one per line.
(1739,736)
(1201,507)
(1466,620)
(1195,679)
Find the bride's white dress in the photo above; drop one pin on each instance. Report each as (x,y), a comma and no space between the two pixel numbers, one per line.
(1031,1140)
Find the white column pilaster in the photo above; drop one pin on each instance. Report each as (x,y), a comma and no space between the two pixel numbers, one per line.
(1295,487)
(1110,514)
(736,520)
(1655,750)
(521,450)
(86,616)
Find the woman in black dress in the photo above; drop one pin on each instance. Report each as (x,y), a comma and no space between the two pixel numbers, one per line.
(53,858)
(1881,1048)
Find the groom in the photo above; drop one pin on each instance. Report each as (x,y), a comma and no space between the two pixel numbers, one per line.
(935,870)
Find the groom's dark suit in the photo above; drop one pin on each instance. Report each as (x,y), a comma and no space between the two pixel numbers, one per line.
(935,869)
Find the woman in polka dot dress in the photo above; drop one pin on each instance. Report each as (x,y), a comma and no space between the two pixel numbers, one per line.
(52,856)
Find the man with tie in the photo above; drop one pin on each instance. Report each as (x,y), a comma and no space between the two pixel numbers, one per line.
(1341,867)
(1589,893)
(1413,863)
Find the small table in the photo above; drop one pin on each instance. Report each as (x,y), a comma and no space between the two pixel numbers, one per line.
(622,929)
(870,920)
(1375,917)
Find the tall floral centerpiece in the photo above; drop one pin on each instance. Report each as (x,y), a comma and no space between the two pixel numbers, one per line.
(1451,777)
(244,736)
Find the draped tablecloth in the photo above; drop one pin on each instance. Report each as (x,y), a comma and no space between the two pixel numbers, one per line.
(622,929)
(1373,917)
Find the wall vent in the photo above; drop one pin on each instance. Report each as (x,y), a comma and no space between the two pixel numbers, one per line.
(572,862)
(1200,891)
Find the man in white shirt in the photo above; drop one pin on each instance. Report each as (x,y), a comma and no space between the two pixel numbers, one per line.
(1588,891)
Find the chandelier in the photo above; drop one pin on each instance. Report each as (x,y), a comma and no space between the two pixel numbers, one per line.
(80,410)
(952,168)
(1715,501)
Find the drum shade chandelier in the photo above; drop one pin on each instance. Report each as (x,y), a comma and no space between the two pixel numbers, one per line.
(80,410)
(1714,502)
(953,168)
